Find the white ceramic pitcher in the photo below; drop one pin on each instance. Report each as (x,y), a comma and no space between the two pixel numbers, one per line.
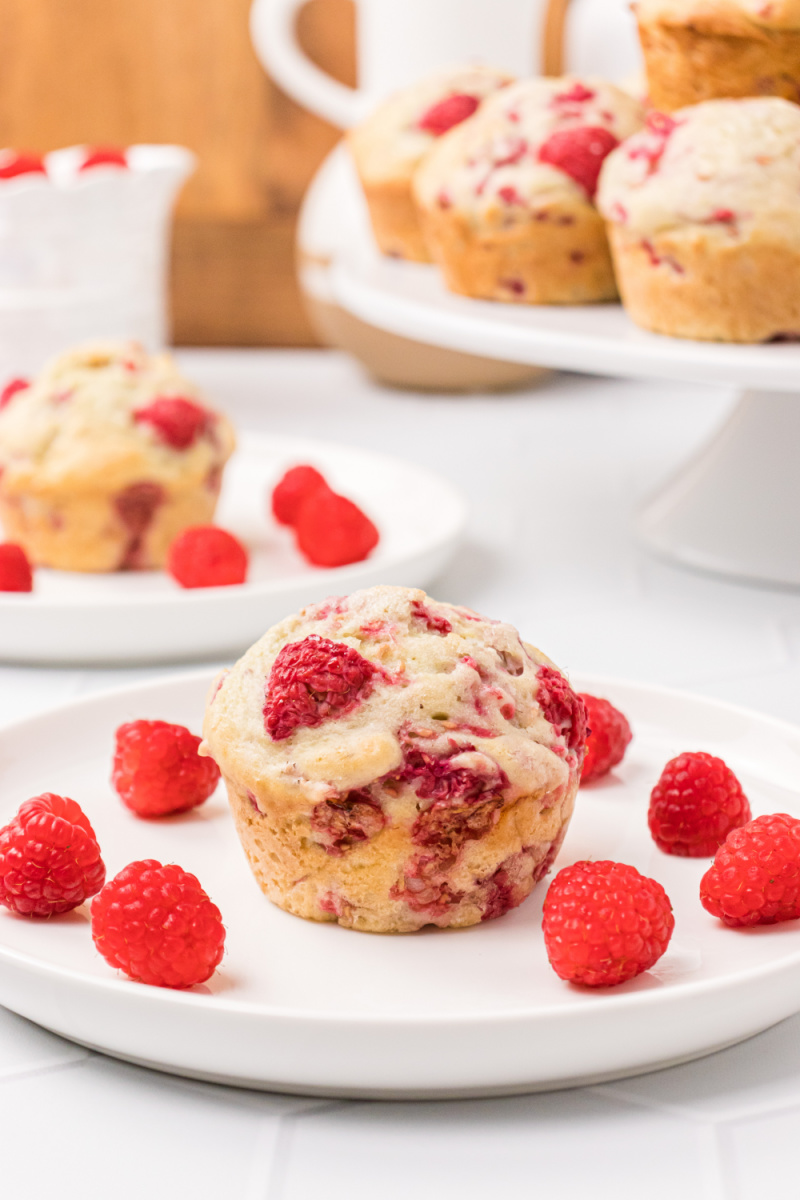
(401,41)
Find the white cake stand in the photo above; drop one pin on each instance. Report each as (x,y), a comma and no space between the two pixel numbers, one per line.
(734,509)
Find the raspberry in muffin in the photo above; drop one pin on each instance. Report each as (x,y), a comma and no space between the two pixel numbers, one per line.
(388,147)
(393,762)
(106,457)
(696,50)
(704,221)
(507,200)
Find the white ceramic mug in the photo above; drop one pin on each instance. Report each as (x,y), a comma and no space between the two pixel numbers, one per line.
(398,42)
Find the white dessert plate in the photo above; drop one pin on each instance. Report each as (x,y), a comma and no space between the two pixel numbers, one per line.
(313,1008)
(146,617)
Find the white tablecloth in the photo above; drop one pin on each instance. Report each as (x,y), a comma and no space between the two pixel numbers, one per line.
(554,475)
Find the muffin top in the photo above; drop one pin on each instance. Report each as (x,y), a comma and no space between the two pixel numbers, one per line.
(353,690)
(534,143)
(110,414)
(726,166)
(396,136)
(722,16)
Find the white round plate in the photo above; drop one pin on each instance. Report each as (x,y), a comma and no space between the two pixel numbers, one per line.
(145,616)
(313,1008)
(410,300)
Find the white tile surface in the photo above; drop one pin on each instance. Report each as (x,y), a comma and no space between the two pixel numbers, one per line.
(554,476)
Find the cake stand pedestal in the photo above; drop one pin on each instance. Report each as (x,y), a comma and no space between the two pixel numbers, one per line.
(734,508)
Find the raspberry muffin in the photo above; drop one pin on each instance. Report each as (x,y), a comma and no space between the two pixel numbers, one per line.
(507,200)
(105,457)
(392,762)
(698,50)
(389,146)
(704,216)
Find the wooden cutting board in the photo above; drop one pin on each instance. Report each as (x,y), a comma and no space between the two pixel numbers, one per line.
(122,71)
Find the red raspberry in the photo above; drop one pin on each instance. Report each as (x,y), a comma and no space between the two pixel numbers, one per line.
(604,923)
(177,421)
(312,681)
(290,492)
(15,570)
(49,858)
(755,876)
(157,769)
(561,707)
(158,925)
(579,153)
(205,556)
(695,804)
(104,156)
(14,162)
(331,531)
(447,113)
(607,737)
(10,390)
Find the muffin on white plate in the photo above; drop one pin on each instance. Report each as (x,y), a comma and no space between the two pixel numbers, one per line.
(506,201)
(389,146)
(105,457)
(704,217)
(394,762)
(696,50)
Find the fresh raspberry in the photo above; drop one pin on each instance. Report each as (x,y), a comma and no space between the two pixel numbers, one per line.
(103,156)
(344,822)
(157,769)
(603,923)
(312,681)
(10,390)
(15,570)
(447,113)
(14,162)
(205,556)
(290,492)
(695,804)
(561,707)
(579,153)
(158,925)
(49,858)
(331,531)
(177,421)
(607,737)
(755,876)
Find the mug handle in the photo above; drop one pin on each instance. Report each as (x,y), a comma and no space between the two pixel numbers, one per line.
(553,37)
(272,29)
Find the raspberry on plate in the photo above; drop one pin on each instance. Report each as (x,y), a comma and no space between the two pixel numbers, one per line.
(157,769)
(755,876)
(18,384)
(157,925)
(15,570)
(332,531)
(604,923)
(607,737)
(104,156)
(18,162)
(207,556)
(695,804)
(49,858)
(292,489)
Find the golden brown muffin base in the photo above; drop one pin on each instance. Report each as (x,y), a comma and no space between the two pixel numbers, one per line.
(394,220)
(560,258)
(299,876)
(83,531)
(689,63)
(708,288)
